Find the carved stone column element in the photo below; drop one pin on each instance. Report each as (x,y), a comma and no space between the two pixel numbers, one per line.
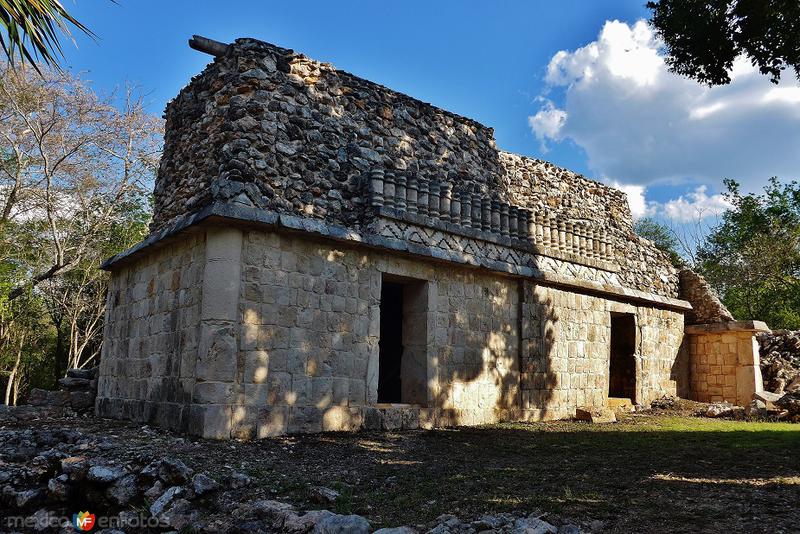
(569,232)
(582,249)
(400,192)
(376,187)
(590,242)
(389,190)
(513,223)
(504,219)
(495,228)
(523,216)
(455,208)
(609,250)
(531,226)
(422,197)
(603,247)
(576,239)
(476,211)
(466,208)
(538,228)
(411,194)
(433,199)
(562,235)
(545,222)
(444,201)
(486,213)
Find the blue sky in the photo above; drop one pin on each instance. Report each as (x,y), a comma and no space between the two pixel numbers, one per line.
(556,80)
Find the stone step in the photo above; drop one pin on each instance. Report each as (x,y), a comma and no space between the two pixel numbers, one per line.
(619,404)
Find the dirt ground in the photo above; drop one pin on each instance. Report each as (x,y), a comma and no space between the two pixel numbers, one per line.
(650,472)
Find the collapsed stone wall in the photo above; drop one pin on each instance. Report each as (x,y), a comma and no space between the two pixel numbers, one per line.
(264,126)
(706,306)
(780,360)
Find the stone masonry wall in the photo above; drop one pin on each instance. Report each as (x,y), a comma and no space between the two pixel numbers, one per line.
(724,363)
(545,187)
(150,341)
(242,332)
(566,351)
(264,126)
(311,318)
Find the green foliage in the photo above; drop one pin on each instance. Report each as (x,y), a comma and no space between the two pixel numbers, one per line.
(661,236)
(752,258)
(703,37)
(74,171)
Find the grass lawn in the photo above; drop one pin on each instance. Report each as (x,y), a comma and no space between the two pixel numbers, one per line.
(644,474)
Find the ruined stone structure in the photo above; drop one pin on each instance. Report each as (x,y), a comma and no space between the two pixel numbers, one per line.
(328,254)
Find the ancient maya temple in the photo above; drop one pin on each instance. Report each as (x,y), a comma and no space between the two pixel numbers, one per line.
(329,254)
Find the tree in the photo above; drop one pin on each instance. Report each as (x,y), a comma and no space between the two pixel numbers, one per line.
(72,162)
(75,170)
(38,22)
(753,257)
(662,237)
(704,37)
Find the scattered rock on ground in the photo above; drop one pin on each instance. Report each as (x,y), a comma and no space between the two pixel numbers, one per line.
(595,415)
(780,360)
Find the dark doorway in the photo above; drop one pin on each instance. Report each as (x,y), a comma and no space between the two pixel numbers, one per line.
(622,368)
(390,345)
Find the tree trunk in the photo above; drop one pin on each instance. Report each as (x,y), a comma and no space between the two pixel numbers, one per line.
(13,376)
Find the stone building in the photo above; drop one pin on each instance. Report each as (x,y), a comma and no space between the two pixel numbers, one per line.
(329,254)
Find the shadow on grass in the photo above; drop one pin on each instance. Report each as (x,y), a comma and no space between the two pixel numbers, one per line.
(632,476)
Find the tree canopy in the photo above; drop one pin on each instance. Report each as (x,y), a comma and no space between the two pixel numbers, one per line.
(704,37)
(752,258)
(75,171)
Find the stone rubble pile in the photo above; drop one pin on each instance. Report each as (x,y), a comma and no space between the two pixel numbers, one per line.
(780,360)
(76,391)
(48,475)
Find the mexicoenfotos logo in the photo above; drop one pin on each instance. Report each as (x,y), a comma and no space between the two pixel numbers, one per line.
(83,520)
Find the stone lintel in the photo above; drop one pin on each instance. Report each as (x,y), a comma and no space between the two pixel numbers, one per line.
(223,212)
(730,326)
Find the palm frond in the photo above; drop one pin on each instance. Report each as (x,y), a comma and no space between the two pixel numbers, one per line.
(32,29)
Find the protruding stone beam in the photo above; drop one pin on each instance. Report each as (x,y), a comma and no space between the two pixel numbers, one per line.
(208,46)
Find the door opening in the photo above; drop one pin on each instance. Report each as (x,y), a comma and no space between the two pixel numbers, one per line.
(403,343)
(622,367)
(390,345)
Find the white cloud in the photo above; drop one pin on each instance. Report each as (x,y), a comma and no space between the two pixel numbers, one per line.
(640,124)
(547,123)
(697,205)
(636,199)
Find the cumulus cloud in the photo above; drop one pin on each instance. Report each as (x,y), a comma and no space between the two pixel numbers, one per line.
(640,207)
(547,123)
(695,206)
(640,124)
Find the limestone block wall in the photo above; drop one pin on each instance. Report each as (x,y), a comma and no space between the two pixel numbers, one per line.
(724,361)
(246,331)
(566,351)
(310,324)
(151,335)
